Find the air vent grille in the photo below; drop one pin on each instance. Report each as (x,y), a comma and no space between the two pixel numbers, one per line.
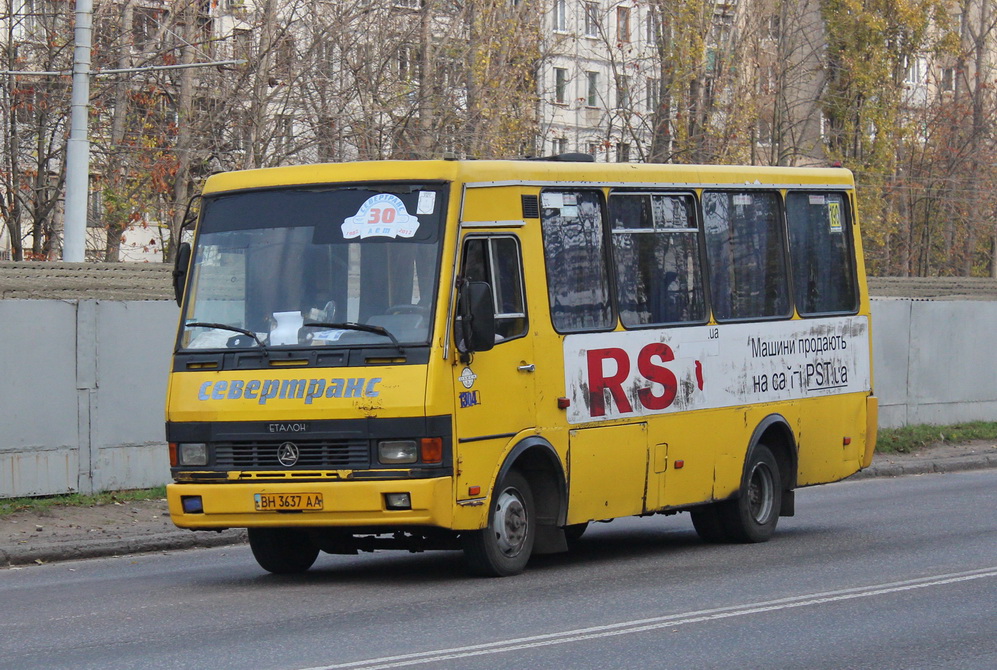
(314,453)
(531,207)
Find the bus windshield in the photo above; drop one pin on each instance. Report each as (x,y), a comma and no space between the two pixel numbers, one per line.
(305,266)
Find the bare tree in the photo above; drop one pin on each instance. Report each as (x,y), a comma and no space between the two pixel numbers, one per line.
(32,108)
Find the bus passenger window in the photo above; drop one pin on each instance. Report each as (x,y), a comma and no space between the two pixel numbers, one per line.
(577,278)
(657,260)
(746,254)
(496,260)
(822,258)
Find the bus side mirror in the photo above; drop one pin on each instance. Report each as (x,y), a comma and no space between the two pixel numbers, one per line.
(180,270)
(477,317)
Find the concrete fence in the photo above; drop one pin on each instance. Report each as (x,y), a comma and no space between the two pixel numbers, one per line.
(82,384)
(934,361)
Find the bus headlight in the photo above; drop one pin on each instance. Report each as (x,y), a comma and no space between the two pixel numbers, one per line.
(192,453)
(391,452)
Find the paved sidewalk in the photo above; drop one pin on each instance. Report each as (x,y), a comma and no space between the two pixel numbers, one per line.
(119,529)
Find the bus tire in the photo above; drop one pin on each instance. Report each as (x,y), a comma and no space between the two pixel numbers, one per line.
(753,514)
(282,551)
(503,547)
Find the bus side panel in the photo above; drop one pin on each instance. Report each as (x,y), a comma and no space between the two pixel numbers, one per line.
(608,469)
(683,457)
(831,435)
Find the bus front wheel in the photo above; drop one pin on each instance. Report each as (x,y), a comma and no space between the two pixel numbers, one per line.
(282,551)
(503,547)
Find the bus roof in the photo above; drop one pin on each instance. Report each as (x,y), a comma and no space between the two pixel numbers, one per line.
(530,172)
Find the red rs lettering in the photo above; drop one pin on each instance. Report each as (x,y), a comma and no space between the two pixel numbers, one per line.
(657,373)
(598,381)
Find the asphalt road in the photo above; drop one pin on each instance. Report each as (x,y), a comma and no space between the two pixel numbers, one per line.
(878,573)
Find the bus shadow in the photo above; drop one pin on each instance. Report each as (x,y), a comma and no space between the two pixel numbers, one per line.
(603,544)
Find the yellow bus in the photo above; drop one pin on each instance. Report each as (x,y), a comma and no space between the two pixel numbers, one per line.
(490,355)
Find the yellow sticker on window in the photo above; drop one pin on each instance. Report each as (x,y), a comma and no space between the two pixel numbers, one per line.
(834,216)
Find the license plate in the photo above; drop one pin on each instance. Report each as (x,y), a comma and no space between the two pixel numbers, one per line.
(278,502)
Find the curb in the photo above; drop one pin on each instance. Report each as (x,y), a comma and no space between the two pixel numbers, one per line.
(180,539)
(926,467)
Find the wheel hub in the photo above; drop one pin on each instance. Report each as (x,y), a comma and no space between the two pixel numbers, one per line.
(761,493)
(510,523)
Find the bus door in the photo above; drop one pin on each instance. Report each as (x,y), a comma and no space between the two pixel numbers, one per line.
(495,391)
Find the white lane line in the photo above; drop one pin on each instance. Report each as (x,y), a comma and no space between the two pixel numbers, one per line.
(643,625)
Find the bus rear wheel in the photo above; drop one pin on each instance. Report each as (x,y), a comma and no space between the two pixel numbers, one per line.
(503,547)
(753,514)
(282,551)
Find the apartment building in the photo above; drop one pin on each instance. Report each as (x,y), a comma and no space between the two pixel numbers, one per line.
(341,80)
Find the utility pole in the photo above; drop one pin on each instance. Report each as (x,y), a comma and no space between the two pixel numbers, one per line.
(78,147)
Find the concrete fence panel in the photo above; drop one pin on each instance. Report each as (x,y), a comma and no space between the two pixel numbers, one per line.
(82,384)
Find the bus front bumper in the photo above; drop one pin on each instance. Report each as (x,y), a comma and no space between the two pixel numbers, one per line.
(217,506)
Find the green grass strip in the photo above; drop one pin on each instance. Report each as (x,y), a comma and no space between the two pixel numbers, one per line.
(913,438)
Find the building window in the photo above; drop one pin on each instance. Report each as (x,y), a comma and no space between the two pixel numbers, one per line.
(623,152)
(623,24)
(560,85)
(408,63)
(916,70)
(591,19)
(774,27)
(95,209)
(325,132)
(242,44)
(593,149)
(592,95)
(652,27)
(25,102)
(559,145)
(283,134)
(560,16)
(948,79)
(622,91)
(145,27)
(284,56)
(653,94)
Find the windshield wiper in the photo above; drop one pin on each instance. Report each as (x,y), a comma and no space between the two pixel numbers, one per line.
(222,326)
(377,330)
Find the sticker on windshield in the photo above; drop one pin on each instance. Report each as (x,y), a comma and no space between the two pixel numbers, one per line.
(427,202)
(383,215)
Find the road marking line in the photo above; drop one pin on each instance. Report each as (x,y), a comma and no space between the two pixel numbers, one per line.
(643,625)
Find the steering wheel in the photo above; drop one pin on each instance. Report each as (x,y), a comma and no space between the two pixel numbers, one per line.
(407,309)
